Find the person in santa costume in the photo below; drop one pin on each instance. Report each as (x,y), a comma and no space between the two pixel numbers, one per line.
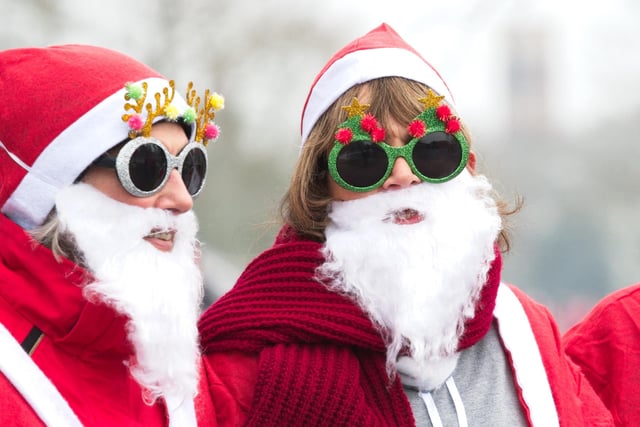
(606,346)
(100,159)
(380,302)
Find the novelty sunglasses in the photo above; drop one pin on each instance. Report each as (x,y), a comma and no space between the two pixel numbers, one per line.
(360,161)
(143,166)
(365,165)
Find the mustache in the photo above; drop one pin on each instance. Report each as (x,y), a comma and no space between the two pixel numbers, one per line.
(415,202)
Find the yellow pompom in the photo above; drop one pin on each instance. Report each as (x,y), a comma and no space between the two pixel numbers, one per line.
(216,101)
(171,112)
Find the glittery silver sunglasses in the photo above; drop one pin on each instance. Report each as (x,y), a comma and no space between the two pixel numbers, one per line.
(143,166)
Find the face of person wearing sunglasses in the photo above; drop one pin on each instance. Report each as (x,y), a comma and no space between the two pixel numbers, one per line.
(401,175)
(173,196)
(370,159)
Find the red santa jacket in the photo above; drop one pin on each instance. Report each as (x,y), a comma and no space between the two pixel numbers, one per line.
(606,345)
(242,356)
(81,351)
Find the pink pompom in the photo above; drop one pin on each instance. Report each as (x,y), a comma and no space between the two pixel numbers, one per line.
(135,122)
(211,131)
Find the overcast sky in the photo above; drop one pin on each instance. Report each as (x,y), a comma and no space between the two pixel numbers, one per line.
(593,46)
(594,49)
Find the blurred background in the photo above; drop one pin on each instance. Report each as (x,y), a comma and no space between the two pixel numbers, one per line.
(549,89)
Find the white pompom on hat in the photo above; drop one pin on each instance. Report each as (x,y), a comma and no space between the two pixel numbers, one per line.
(379,53)
(61,107)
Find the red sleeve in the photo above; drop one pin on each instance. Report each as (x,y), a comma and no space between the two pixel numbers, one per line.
(14,410)
(606,346)
(226,389)
(576,401)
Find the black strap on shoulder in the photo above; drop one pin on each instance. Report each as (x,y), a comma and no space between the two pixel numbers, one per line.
(32,340)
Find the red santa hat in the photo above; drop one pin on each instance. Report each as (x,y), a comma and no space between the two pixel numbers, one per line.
(379,53)
(60,108)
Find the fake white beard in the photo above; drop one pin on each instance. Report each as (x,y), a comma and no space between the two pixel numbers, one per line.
(160,292)
(419,282)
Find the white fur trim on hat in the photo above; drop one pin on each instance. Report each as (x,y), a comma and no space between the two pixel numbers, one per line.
(364,65)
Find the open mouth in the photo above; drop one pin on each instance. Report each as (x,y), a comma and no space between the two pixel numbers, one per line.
(161,239)
(166,235)
(404,216)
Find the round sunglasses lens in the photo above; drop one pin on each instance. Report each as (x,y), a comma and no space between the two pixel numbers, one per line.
(194,170)
(147,167)
(362,163)
(437,155)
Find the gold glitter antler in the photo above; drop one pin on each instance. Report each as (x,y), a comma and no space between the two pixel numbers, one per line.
(206,130)
(163,107)
(201,117)
(194,101)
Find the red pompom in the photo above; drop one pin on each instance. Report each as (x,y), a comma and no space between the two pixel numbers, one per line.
(452,125)
(135,122)
(443,112)
(368,123)
(377,135)
(344,135)
(417,128)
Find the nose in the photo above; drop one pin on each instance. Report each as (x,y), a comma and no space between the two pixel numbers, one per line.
(401,176)
(174,196)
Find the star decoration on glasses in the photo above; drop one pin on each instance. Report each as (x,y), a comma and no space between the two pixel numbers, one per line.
(355,109)
(431,100)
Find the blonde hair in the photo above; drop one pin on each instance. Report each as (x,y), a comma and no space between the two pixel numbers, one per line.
(305,205)
(62,244)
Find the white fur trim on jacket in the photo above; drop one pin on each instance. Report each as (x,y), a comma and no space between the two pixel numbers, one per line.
(529,372)
(33,384)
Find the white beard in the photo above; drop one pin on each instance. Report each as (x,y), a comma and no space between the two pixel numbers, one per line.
(160,292)
(417,282)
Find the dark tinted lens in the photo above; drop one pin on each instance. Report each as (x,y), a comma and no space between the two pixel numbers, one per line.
(194,170)
(362,163)
(147,167)
(437,155)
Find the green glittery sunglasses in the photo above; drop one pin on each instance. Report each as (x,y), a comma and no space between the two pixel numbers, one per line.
(361,161)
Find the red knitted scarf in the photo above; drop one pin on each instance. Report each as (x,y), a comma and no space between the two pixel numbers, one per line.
(321,360)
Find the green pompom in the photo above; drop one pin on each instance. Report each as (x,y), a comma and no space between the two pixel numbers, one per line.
(189,115)
(134,91)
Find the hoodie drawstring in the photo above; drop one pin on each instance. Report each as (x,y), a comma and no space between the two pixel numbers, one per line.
(432,410)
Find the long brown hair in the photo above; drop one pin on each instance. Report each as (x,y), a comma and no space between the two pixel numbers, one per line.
(305,205)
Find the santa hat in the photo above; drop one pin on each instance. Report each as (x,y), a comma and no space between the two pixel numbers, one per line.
(61,107)
(379,53)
